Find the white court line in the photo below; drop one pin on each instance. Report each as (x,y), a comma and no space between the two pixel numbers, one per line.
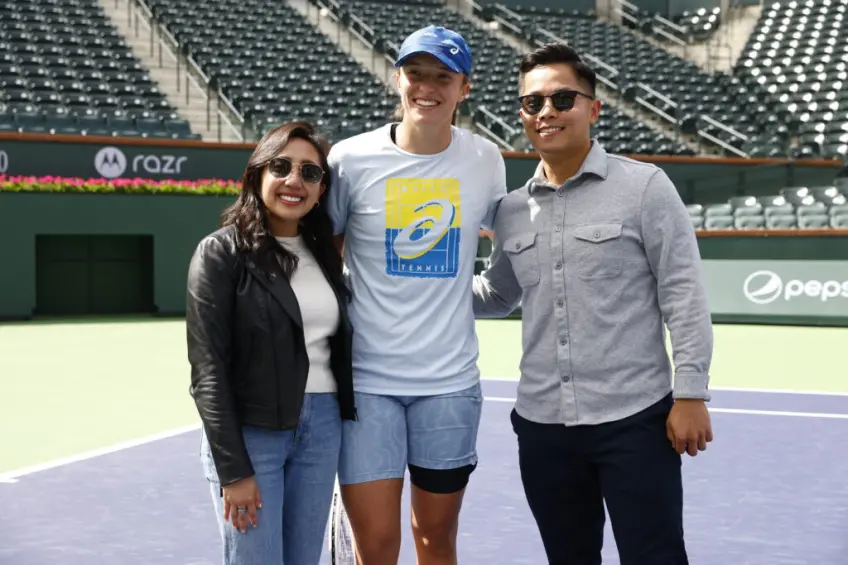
(12,476)
(736,411)
(727,389)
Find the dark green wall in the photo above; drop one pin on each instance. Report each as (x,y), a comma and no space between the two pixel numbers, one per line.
(707,183)
(177,223)
(806,248)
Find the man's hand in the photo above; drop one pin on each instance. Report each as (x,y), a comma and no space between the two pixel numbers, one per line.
(688,426)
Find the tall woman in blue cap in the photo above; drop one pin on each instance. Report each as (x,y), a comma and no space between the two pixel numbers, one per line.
(410,200)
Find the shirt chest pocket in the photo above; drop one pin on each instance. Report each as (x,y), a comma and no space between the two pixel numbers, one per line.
(597,251)
(523,254)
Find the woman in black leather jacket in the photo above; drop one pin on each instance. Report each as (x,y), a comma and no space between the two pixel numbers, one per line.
(269,346)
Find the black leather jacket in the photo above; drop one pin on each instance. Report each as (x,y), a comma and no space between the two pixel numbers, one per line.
(247,351)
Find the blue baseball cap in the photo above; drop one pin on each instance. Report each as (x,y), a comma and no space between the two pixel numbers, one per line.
(444,44)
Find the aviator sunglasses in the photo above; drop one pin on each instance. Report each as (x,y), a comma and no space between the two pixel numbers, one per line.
(563,101)
(281,167)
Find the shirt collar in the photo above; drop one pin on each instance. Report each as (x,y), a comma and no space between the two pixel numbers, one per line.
(595,163)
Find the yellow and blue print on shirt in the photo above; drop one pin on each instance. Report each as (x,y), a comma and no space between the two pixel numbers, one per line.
(422,227)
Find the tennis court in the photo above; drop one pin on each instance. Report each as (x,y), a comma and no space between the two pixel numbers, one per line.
(100,441)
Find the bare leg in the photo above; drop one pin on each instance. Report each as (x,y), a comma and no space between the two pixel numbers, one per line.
(435,523)
(374,512)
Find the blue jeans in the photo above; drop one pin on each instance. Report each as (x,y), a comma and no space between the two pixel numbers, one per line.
(295,471)
(433,432)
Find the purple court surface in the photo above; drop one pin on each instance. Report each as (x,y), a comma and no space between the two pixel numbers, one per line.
(771,490)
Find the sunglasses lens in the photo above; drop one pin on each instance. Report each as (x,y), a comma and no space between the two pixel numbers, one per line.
(311,173)
(280,168)
(563,100)
(533,104)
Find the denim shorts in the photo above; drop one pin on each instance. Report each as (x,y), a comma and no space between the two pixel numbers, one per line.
(433,432)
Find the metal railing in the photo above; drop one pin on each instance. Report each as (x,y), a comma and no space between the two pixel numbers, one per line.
(484,126)
(728,147)
(187,71)
(358,29)
(663,27)
(609,76)
(642,100)
(606,73)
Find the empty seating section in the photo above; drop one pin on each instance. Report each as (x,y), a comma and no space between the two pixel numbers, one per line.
(696,26)
(790,208)
(274,66)
(798,52)
(743,106)
(494,80)
(64,69)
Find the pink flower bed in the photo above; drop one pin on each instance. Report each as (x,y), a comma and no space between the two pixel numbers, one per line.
(127,186)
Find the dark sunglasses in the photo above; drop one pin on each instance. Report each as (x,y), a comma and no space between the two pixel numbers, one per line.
(563,101)
(281,167)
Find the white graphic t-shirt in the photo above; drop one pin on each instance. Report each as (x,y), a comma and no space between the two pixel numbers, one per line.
(411,225)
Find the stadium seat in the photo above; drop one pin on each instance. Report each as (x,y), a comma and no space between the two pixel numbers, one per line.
(781,221)
(798,54)
(494,78)
(274,66)
(839,221)
(630,60)
(721,209)
(753,222)
(718,222)
(695,210)
(814,209)
(779,210)
(64,68)
(813,221)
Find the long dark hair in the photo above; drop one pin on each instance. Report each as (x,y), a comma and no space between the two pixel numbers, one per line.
(249,215)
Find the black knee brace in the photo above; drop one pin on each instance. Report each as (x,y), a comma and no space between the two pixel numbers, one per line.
(441,481)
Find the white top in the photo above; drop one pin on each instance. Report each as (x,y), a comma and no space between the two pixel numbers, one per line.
(411,225)
(319,310)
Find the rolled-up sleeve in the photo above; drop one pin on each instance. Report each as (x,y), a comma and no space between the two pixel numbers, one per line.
(672,252)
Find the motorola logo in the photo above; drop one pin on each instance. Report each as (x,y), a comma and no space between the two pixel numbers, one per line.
(110,162)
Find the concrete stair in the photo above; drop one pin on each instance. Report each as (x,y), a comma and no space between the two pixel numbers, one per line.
(182,90)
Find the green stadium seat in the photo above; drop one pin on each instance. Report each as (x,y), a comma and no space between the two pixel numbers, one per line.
(718,222)
(67,55)
(813,221)
(781,221)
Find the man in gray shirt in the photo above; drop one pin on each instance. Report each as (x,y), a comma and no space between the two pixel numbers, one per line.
(600,253)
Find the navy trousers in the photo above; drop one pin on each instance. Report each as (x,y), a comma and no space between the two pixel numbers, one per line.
(569,472)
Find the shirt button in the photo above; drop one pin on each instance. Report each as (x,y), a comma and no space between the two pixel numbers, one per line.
(565,378)
(563,340)
(559,192)
(559,303)
(597,235)
(558,265)
(518,246)
(558,228)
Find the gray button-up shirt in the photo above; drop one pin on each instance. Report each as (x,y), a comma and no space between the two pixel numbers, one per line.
(598,265)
